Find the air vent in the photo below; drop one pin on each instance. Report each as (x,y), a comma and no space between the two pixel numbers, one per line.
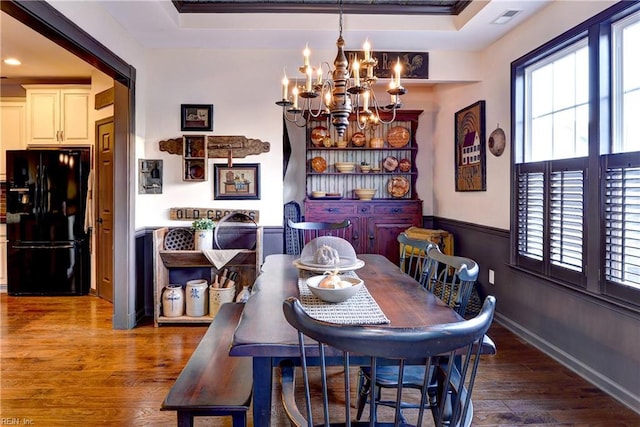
(505,17)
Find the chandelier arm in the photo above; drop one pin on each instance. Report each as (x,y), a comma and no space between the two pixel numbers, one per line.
(294,117)
(377,108)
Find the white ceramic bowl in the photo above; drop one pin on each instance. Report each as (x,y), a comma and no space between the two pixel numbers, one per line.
(345,167)
(334,295)
(365,193)
(318,193)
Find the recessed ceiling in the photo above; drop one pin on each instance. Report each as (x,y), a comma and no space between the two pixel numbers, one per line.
(393,7)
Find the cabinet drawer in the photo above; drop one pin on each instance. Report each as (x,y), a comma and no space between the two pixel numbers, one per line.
(364,208)
(315,209)
(397,209)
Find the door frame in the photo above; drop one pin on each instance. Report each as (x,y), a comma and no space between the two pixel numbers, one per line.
(46,20)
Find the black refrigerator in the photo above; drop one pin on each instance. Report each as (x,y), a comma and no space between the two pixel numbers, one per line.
(48,248)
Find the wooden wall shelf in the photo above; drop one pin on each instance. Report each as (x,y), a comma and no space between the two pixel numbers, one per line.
(246,263)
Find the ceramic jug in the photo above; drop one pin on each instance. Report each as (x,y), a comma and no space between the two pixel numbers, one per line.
(173,301)
(197,300)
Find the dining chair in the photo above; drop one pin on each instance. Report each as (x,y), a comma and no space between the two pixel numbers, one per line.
(449,402)
(412,254)
(308,231)
(452,279)
(292,241)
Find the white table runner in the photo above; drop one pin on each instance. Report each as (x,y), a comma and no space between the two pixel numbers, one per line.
(360,309)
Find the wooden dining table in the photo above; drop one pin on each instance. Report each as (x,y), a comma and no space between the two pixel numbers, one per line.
(264,334)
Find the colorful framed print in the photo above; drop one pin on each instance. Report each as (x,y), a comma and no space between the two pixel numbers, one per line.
(237,182)
(470,148)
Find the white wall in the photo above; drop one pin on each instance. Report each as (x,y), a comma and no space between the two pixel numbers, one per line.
(492,208)
(243,85)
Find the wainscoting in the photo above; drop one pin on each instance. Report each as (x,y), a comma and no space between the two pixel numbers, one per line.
(592,337)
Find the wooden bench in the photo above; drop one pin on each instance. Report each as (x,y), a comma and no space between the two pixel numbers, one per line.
(213,383)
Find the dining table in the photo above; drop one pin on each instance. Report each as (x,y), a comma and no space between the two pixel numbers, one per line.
(264,334)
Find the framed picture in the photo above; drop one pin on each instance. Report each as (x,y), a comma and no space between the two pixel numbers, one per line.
(470,148)
(149,176)
(196,117)
(238,182)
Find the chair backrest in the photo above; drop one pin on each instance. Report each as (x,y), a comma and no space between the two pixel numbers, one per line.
(449,405)
(412,254)
(292,238)
(310,230)
(451,278)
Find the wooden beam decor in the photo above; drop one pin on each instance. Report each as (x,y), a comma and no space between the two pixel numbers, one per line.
(219,146)
(190,214)
(171,146)
(104,98)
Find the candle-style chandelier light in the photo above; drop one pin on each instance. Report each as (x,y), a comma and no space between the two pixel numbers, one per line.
(346,89)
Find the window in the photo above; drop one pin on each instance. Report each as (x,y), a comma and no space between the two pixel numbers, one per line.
(577,157)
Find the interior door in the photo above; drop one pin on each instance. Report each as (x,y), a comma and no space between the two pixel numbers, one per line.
(104,208)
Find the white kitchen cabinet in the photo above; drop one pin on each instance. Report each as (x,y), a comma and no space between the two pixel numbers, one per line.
(12,129)
(58,114)
(3,256)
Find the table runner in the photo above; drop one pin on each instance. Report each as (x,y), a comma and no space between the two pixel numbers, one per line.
(360,309)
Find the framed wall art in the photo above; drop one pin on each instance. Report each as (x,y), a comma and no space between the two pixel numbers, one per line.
(470,148)
(196,117)
(237,182)
(149,176)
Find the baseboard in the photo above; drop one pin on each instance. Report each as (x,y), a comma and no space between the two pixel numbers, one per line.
(624,396)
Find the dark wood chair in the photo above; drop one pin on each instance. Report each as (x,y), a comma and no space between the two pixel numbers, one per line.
(449,402)
(308,231)
(412,255)
(450,278)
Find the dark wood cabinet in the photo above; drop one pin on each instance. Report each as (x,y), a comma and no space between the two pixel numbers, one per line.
(375,223)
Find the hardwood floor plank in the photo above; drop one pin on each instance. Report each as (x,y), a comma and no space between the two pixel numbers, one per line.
(62,364)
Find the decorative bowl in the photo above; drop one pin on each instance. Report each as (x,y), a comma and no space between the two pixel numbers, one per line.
(334,294)
(365,168)
(318,193)
(345,167)
(365,193)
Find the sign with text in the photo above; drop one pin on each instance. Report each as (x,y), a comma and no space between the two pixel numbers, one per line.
(415,65)
(190,214)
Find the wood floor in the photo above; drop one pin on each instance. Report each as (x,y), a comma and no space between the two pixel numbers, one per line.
(62,364)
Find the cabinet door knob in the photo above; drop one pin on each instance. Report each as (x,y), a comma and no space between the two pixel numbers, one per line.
(397,210)
(356,236)
(363,210)
(371,237)
(331,209)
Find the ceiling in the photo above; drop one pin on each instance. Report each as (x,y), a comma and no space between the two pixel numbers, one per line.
(158,24)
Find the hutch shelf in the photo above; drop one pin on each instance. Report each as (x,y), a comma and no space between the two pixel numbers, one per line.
(390,151)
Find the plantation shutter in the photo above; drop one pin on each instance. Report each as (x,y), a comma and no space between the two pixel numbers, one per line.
(622,224)
(566,219)
(530,213)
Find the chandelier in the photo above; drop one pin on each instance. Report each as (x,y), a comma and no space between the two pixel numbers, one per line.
(346,89)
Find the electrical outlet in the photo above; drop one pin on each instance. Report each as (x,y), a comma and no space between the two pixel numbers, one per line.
(492,277)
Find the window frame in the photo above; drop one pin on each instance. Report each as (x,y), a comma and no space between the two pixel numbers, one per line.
(598,31)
